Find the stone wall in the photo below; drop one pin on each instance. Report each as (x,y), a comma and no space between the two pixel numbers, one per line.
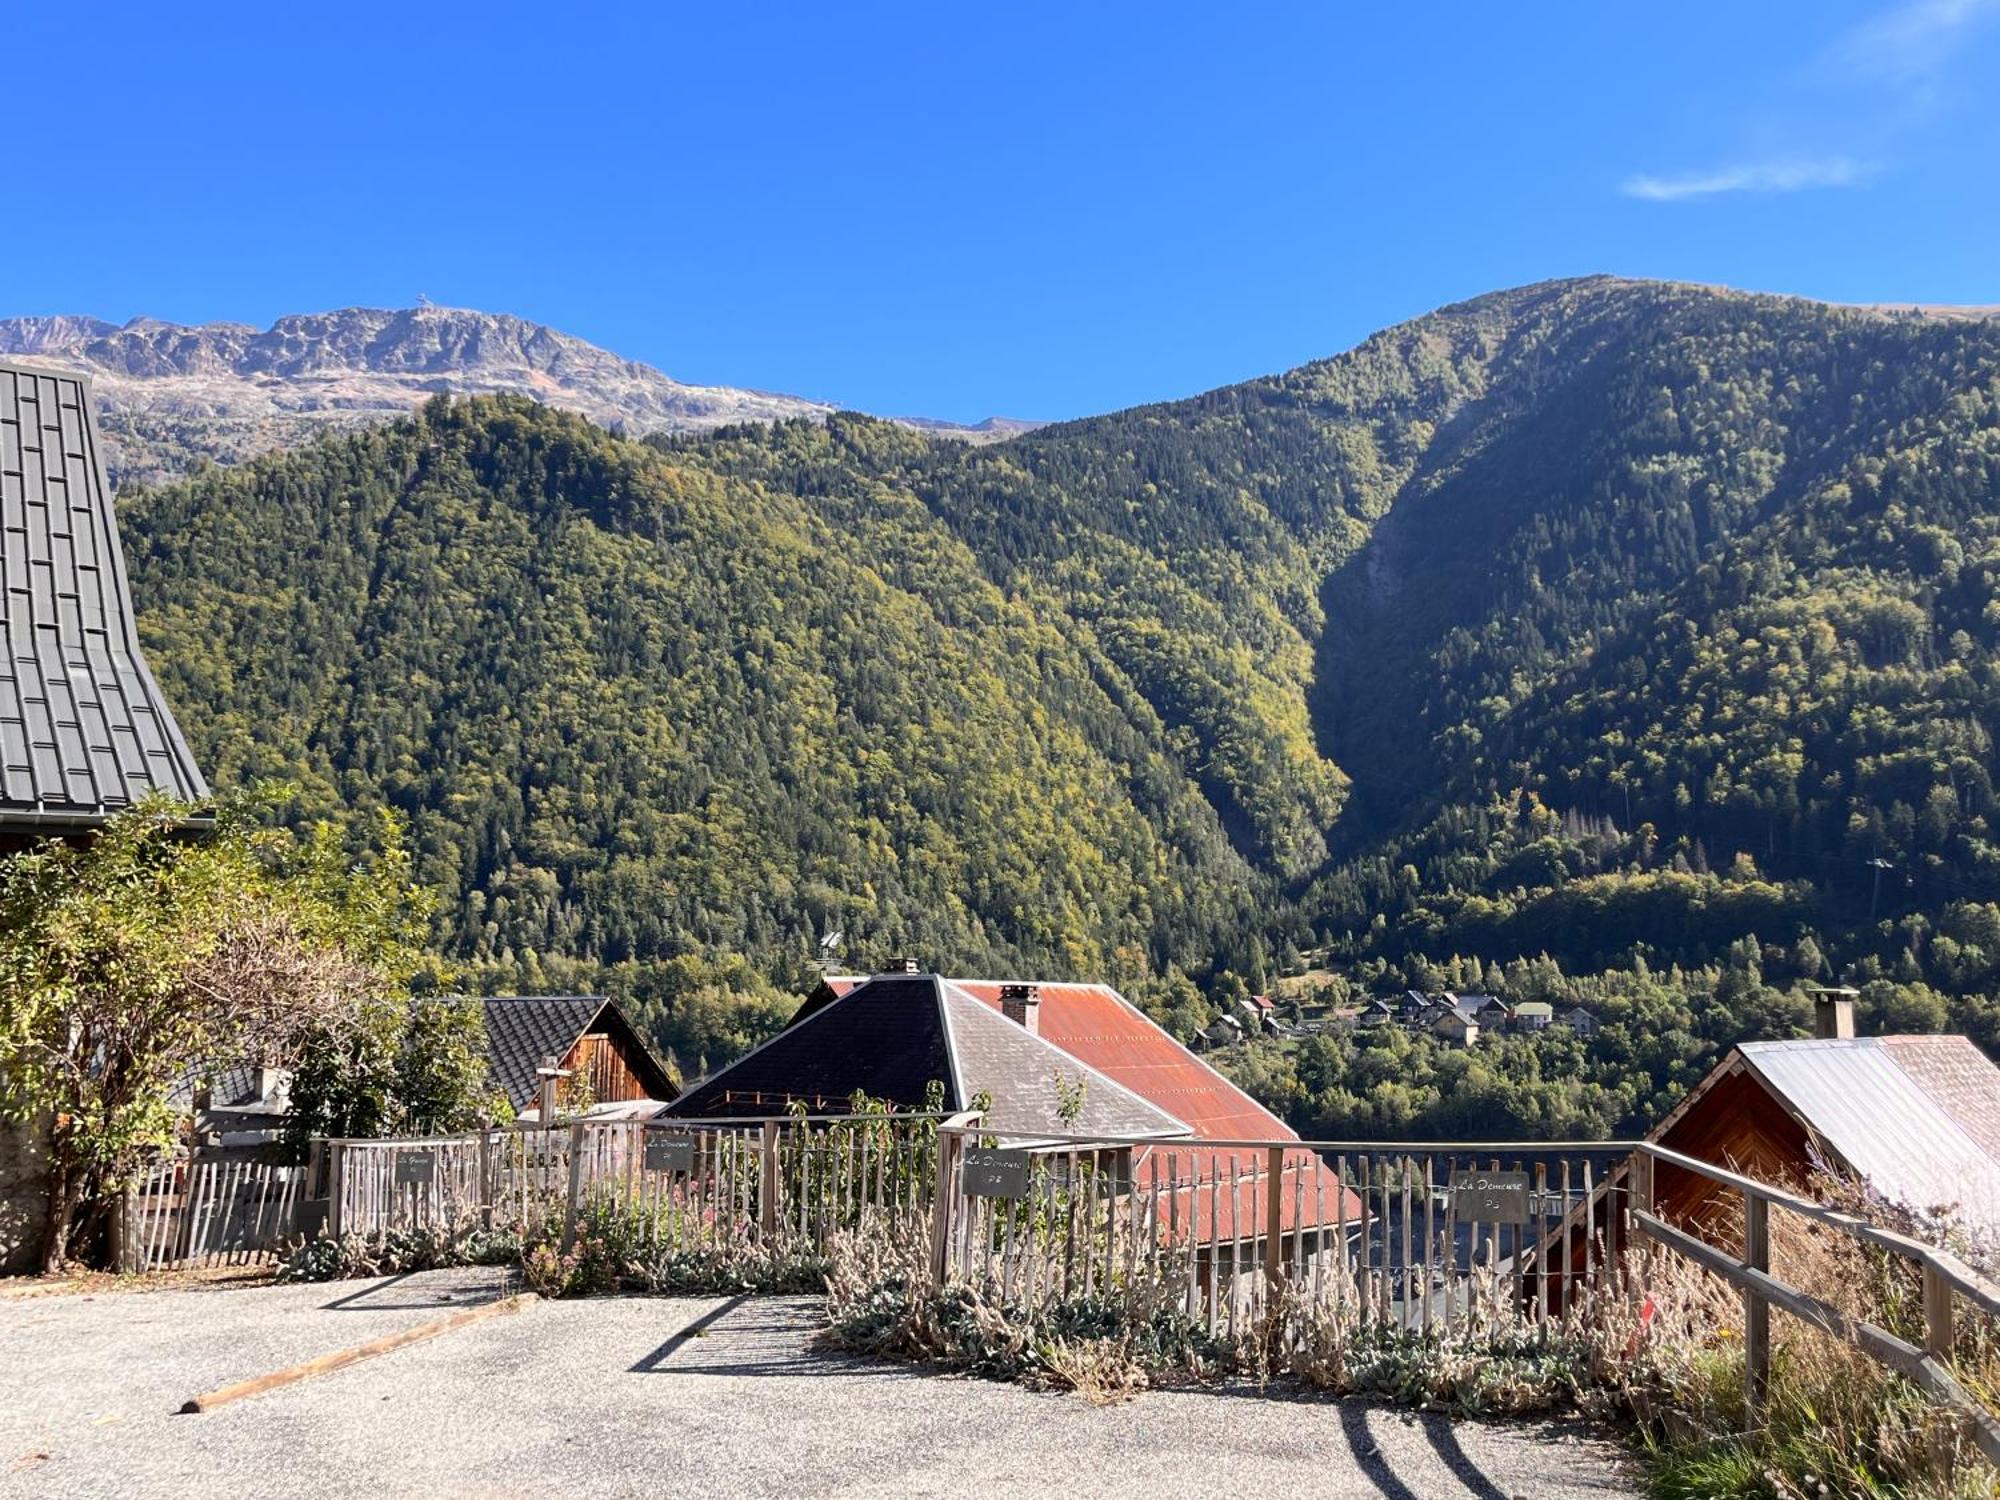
(24,1195)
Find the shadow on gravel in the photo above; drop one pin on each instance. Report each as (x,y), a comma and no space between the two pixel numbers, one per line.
(1367,1457)
(763,1339)
(1444,1442)
(651,1364)
(391,1295)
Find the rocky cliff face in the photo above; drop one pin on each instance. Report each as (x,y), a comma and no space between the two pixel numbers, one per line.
(172,395)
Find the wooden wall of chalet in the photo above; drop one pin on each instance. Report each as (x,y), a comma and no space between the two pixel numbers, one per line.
(601,1059)
(1738,1125)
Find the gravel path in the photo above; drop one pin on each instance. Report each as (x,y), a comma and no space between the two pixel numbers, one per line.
(683,1396)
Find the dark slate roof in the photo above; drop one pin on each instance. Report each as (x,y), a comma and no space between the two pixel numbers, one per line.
(892,1036)
(84,730)
(888,1042)
(521,1030)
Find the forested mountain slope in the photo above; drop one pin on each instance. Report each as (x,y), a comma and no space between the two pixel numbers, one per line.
(635,708)
(1619,622)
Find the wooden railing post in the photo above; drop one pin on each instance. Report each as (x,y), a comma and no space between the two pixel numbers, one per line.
(1938,1330)
(1756,1311)
(1642,1182)
(944,1206)
(1274,1224)
(941,1205)
(767,1183)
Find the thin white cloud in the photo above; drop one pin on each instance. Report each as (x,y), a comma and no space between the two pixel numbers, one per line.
(1867,91)
(1786,175)
(1910,45)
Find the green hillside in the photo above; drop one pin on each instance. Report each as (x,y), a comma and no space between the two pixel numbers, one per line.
(1590,635)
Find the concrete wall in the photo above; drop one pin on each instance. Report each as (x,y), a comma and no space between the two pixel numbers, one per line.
(24,1195)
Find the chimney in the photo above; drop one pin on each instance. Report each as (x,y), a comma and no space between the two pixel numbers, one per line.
(1022,1004)
(1833,1013)
(903,966)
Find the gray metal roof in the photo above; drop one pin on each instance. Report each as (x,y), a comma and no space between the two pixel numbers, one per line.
(84,730)
(1018,1070)
(1912,1116)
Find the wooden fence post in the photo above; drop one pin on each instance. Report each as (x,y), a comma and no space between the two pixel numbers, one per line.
(486,1193)
(1756,1311)
(336,1186)
(1938,1330)
(1642,1181)
(941,1206)
(575,1186)
(1274,1223)
(767,1184)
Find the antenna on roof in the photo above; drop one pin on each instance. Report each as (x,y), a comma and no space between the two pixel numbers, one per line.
(828,946)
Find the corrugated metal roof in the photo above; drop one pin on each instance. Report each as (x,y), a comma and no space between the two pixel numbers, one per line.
(84,729)
(1915,1117)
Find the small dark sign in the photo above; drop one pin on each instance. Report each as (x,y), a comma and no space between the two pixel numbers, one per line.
(1490,1197)
(415,1168)
(991,1172)
(669,1153)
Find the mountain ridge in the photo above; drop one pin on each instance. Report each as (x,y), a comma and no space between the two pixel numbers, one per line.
(173,394)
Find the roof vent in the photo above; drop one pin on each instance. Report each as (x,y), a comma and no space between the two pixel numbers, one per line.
(1833,1012)
(1022,1004)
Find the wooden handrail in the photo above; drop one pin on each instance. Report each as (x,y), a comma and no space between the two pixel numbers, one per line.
(1965,1281)
(1944,1275)
(1389,1148)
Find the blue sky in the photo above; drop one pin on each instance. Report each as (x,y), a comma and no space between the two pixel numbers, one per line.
(951,210)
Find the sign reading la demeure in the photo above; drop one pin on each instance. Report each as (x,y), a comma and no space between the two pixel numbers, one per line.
(669,1153)
(1483,1197)
(994,1172)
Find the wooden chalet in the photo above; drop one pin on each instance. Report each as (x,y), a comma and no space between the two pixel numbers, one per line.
(1915,1120)
(589,1039)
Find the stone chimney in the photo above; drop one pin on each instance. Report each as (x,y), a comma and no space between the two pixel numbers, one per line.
(1022,1004)
(1833,1013)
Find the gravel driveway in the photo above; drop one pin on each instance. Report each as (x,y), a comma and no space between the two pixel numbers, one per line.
(681,1396)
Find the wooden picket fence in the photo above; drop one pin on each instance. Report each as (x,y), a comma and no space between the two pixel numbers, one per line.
(1433,1238)
(181,1216)
(690,1181)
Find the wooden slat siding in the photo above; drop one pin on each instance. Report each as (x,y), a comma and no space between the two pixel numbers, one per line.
(597,1061)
